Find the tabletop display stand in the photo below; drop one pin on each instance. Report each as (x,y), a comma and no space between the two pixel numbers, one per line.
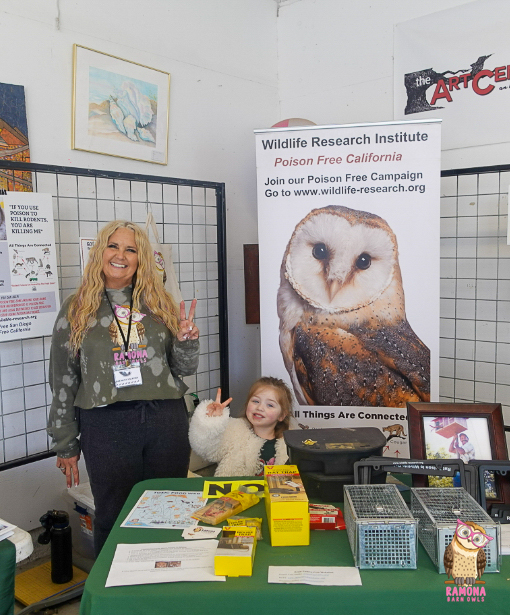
(422,589)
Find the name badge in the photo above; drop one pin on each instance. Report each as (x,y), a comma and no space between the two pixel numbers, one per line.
(127,376)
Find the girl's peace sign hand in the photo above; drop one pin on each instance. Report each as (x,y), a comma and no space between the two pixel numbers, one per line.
(187,328)
(216,408)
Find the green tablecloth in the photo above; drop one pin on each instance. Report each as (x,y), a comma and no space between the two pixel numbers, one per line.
(7,574)
(420,592)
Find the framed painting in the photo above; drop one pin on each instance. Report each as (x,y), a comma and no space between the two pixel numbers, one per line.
(460,431)
(120,108)
(14,138)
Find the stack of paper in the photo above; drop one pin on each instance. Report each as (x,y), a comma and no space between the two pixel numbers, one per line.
(6,529)
(166,562)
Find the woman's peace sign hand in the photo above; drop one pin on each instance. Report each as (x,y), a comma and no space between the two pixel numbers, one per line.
(216,407)
(187,328)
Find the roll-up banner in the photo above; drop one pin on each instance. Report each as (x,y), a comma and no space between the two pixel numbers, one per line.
(349,270)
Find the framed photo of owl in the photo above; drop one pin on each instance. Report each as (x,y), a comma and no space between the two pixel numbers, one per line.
(459,431)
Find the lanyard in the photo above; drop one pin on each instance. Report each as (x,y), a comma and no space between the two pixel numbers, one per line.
(125,341)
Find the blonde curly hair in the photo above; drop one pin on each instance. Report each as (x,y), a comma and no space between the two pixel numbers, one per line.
(147,285)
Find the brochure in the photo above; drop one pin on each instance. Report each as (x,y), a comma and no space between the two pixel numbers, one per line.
(165,510)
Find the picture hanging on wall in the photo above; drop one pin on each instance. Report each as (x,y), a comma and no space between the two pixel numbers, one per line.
(120,108)
(14,139)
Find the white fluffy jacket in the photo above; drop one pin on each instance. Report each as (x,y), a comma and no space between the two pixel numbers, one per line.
(229,442)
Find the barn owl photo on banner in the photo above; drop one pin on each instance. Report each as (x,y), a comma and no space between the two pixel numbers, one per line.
(344,334)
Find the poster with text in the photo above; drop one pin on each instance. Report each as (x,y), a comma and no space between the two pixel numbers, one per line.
(455,65)
(29,299)
(349,271)
(86,244)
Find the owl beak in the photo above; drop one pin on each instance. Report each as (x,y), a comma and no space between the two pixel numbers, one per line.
(334,287)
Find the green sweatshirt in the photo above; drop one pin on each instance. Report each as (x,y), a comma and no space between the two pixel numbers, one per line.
(86,379)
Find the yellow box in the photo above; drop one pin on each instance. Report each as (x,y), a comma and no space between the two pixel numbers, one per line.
(286,506)
(236,551)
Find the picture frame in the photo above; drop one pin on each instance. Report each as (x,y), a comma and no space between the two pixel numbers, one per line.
(435,430)
(120,108)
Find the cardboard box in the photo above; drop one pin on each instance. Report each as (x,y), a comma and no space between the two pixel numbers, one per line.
(325,517)
(286,506)
(236,551)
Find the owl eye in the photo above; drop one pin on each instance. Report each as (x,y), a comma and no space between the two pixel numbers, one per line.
(464,532)
(320,251)
(478,539)
(363,261)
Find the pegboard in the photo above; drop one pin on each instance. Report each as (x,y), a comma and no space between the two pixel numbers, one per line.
(189,214)
(475,286)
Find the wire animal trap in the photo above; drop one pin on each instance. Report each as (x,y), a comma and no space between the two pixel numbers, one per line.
(381,530)
(437,511)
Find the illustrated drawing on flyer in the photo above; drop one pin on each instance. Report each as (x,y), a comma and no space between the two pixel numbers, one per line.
(165,510)
(31,266)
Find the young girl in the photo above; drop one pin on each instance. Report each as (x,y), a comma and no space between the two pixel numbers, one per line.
(241,447)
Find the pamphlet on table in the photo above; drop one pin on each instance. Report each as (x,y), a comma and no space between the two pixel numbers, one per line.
(314,575)
(165,510)
(200,532)
(164,562)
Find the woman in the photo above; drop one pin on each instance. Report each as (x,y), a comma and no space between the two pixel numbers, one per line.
(117,349)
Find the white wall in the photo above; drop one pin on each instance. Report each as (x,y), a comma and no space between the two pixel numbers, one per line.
(335,64)
(235,67)
(222,60)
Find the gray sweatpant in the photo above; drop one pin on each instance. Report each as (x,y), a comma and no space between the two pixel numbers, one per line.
(125,443)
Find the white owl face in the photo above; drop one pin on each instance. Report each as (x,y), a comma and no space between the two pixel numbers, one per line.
(122,313)
(471,538)
(340,260)
(137,316)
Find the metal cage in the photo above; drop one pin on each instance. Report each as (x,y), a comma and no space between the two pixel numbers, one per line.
(381,530)
(437,511)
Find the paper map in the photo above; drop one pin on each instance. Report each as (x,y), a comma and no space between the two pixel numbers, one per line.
(165,509)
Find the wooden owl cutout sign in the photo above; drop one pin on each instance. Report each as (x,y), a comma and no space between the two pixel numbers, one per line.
(344,335)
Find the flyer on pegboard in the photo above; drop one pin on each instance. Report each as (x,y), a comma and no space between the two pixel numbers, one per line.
(29,298)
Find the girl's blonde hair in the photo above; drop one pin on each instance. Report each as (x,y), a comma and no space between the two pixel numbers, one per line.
(147,285)
(284,398)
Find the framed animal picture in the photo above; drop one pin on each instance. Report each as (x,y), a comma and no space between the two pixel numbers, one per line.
(120,108)
(470,432)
